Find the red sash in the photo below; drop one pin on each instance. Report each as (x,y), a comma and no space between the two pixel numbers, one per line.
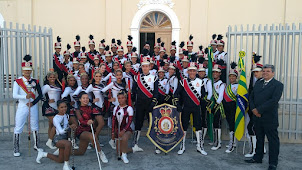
(92,72)
(57,62)
(90,56)
(190,93)
(160,89)
(171,90)
(133,72)
(23,86)
(178,65)
(142,87)
(108,69)
(64,68)
(129,93)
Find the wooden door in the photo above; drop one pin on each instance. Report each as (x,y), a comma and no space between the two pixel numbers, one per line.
(166,38)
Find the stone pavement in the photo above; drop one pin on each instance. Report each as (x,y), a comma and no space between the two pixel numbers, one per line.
(290,157)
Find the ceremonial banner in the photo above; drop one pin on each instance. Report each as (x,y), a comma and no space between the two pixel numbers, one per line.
(165,128)
(210,105)
(242,99)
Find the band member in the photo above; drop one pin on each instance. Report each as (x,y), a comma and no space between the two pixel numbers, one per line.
(52,91)
(61,124)
(256,75)
(128,75)
(153,67)
(208,92)
(157,46)
(84,85)
(181,50)
(144,93)
(102,50)
(129,47)
(221,58)
(218,111)
(115,86)
(120,54)
(162,52)
(122,117)
(190,46)
(163,86)
(87,116)
(84,60)
(77,47)
(213,43)
(184,68)
(113,48)
(108,61)
(134,60)
(68,97)
(92,53)
(191,93)
(67,64)
(115,67)
(58,59)
(98,100)
(173,49)
(25,90)
(94,67)
(200,53)
(173,84)
(229,105)
(76,70)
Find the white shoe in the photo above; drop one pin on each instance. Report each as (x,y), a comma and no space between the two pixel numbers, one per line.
(112,144)
(124,158)
(135,148)
(41,155)
(74,145)
(103,157)
(157,151)
(56,152)
(66,166)
(89,146)
(49,144)
(201,150)
(17,154)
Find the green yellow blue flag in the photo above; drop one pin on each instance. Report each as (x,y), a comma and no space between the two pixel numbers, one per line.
(242,99)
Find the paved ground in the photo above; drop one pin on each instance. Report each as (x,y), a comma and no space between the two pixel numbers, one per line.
(290,158)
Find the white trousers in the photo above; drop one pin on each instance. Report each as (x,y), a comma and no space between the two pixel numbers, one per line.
(22,117)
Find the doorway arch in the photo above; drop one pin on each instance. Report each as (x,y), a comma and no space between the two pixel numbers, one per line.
(147,9)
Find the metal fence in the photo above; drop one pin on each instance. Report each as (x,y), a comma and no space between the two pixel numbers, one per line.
(15,42)
(281,46)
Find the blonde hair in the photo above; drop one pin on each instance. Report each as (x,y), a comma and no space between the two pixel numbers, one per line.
(52,73)
(97,72)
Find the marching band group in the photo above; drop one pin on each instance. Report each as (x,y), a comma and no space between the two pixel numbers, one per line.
(84,88)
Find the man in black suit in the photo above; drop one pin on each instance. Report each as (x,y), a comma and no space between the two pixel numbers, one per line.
(264,105)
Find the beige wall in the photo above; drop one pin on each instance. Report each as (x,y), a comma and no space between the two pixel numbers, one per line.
(112,18)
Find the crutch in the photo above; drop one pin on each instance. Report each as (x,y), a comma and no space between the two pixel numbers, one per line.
(96,149)
(118,139)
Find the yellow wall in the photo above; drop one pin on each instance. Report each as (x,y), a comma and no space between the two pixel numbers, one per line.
(112,18)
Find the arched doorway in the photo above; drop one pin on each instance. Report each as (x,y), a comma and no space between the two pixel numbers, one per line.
(155,25)
(146,10)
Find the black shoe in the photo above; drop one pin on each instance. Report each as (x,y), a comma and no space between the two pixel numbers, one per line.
(252,161)
(272,167)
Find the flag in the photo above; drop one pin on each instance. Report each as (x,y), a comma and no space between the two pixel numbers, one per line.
(242,99)
(210,106)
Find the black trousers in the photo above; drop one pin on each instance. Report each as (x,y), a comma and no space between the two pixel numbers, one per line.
(217,119)
(273,141)
(250,125)
(185,117)
(142,109)
(230,112)
(204,112)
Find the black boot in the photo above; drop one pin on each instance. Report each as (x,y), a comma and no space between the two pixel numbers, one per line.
(16,145)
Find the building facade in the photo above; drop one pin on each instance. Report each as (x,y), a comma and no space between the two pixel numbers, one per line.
(147,19)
